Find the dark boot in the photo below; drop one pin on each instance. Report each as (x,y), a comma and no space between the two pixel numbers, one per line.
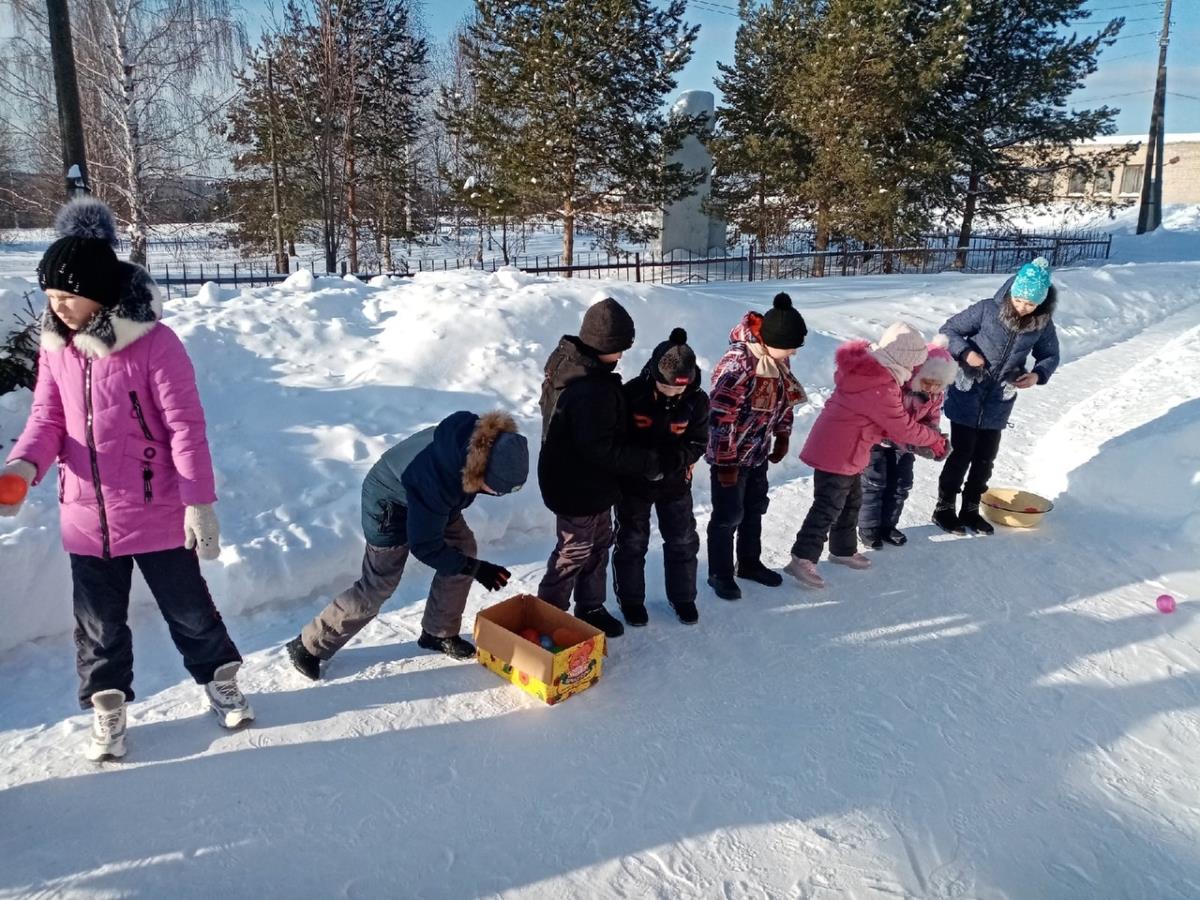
(944,516)
(604,620)
(725,587)
(687,613)
(452,646)
(970,518)
(635,614)
(757,572)
(870,538)
(896,537)
(306,664)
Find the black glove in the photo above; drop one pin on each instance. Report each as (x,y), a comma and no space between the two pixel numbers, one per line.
(490,575)
(779,449)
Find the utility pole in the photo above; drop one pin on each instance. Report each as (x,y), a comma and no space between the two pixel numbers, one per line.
(282,263)
(1150,210)
(66,88)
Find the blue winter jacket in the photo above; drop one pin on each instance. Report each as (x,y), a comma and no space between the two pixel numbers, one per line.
(419,485)
(984,398)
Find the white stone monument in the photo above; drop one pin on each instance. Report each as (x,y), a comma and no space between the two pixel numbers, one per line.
(685,226)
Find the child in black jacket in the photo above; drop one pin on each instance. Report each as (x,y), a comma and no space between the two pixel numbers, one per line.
(669,414)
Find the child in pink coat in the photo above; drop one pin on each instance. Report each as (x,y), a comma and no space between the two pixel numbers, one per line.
(116,407)
(865,408)
(889,475)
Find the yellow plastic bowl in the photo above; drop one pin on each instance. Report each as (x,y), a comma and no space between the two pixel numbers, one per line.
(1014,508)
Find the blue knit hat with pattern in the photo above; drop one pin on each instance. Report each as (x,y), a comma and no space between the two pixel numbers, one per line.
(1032,283)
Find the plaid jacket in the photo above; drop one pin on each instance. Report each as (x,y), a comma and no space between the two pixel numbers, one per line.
(745,412)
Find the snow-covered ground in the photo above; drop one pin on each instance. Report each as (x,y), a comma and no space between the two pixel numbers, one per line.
(973,718)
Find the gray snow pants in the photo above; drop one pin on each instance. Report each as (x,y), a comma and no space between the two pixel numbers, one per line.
(579,562)
(382,567)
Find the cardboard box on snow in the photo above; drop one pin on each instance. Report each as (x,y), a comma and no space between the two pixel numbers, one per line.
(551,677)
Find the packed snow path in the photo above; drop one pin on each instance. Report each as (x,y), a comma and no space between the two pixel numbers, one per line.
(1004,717)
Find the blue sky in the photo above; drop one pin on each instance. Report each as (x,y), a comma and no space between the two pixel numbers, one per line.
(1125,78)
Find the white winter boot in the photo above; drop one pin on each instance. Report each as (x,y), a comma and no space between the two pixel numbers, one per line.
(225,698)
(108,726)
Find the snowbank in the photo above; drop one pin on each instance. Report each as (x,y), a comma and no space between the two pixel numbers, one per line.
(305,384)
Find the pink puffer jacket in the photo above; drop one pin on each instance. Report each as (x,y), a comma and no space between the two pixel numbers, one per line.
(865,408)
(116,404)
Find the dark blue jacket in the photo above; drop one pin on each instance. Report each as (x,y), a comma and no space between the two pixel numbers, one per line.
(984,398)
(416,488)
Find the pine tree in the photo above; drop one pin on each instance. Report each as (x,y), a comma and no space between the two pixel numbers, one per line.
(760,156)
(863,95)
(1006,116)
(570,107)
(269,155)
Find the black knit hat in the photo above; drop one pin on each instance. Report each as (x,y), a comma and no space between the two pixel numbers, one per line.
(676,361)
(607,327)
(783,327)
(82,261)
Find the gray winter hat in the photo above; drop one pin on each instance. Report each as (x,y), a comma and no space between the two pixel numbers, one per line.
(607,327)
(508,463)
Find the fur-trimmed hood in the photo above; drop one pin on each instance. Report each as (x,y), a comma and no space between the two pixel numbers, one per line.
(1035,321)
(112,329)
(858,370)
(479,448)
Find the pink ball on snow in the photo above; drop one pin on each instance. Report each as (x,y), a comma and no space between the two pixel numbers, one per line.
(1165,603)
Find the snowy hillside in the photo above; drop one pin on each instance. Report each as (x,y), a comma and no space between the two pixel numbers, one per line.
(973,718)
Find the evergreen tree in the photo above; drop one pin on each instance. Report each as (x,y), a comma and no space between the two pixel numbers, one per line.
(863,94)
(342,115)
(760,156)
(569,107)
(1006,116)
(269,155)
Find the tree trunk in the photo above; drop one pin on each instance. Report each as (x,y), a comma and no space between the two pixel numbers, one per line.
(134,187)
(504,237)
(821,241)
(352,212)
(569,238)
(281,260)
(410,179)
(385,236)
(964,233)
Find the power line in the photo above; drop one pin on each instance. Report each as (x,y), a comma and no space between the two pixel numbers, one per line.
(1126,37)
(1111,97)
(713,8)
(1184,96)
(1124,6)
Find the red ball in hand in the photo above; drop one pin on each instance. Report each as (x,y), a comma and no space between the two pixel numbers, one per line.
(12,490)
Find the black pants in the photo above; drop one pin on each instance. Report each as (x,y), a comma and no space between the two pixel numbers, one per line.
(737,510)
(103,643)
(886,483)
(972,455)
(833,515)
(681,546)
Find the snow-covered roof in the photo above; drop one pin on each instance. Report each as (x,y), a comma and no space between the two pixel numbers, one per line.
(1178,137)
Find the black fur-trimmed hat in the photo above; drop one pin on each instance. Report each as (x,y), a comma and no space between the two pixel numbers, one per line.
(83,260)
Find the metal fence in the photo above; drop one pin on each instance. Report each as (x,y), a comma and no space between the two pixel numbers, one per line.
(937,253)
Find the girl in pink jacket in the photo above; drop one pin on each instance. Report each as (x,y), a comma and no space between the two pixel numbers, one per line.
(866,407)
(888,477)
(116,406)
